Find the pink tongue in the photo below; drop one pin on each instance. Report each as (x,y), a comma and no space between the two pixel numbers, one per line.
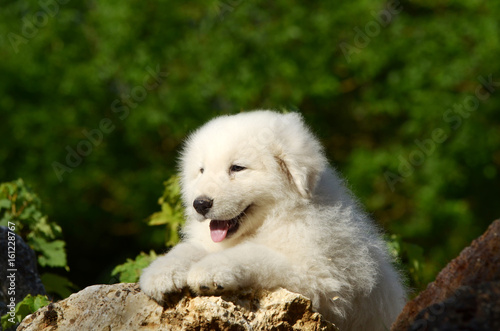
(218,230)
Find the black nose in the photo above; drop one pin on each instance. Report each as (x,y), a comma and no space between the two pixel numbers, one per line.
(202,205)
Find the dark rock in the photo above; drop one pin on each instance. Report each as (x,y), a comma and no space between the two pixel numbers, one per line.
(27,281)
(472,308)
(467,277)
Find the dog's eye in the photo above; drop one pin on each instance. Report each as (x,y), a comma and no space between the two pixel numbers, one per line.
(236,168)
(201,170)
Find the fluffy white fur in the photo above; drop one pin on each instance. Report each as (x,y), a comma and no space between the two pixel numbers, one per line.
(302,230)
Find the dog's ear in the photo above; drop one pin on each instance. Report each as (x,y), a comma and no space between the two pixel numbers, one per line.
(299,154)
(301,177)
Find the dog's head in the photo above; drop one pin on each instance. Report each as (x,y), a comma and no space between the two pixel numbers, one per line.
(236,169)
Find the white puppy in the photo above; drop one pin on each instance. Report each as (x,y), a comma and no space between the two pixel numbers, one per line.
(264,210)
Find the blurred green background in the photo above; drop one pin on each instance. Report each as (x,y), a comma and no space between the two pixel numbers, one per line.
(97,96)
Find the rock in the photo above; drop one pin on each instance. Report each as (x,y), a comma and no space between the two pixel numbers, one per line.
(472,308)
(26,278)
(467,277)
(125,307)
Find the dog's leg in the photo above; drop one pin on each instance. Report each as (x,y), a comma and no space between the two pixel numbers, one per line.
(168,273)
(243,266)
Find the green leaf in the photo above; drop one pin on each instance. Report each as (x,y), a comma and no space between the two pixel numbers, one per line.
(172,211)
(157,218)
(5,204)
(19,204)
(52,253)
(130,271)
(27,306)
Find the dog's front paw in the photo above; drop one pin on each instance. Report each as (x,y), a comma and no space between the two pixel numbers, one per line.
(163,277)
(213,276)
(168,273)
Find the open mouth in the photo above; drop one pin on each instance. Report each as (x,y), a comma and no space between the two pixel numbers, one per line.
(221,229)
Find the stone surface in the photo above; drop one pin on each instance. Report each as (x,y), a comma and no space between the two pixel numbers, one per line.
(125,307)
(472,308)
(27,281)
(475,267)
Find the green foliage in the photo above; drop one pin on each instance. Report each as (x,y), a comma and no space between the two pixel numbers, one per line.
(411,259)
(171,216)
(59,285)
(53,253)
(403,80)
(172,211)
(21,206)
(29,305)
(130,271)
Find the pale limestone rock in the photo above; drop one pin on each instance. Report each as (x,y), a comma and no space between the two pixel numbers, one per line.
(125,307)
